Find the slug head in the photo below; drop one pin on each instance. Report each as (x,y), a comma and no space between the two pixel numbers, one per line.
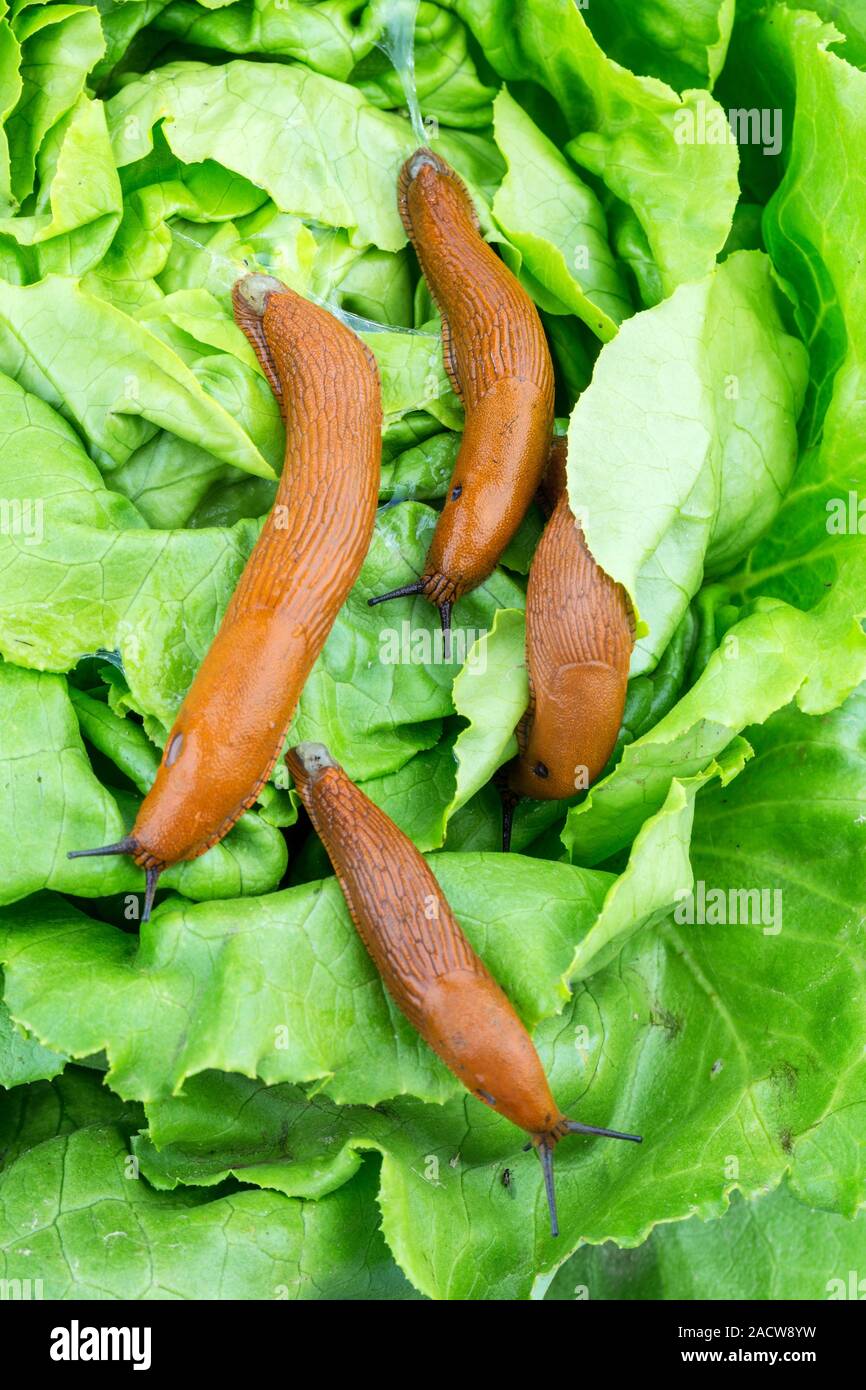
(575,721)
(424,158)
(307,761)
(255,289)
(429,192)
(539,778)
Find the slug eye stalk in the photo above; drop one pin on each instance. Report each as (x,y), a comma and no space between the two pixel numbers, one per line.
(509,801)
(545,1145)
(445,620)
(420,587)
(128,845)
(404,592)
(151,878)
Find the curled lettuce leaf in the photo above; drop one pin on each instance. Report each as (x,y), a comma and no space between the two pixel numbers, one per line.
(682,469)
(632,132)
(58,803)
(557,224)
(256,119)
(115,379)
(59,45)
(314,1249)
(684,45)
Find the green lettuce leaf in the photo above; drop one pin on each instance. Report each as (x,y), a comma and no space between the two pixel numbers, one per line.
(801,559)
(344,177)
(84,207)
(688,1037)
(775,655)
(157,597)
(536,826)
(557,224)
(689,467)
(115,380)
(49,1109)
(421,471)
(769,1248)
(57,803)
(22,1058)
(122,21)
(447,81)
(490,692)
(729,1102)
(632,132)
(104,1233)
(810,226)
(151,153)
(381,685)
(845,15)
(11,86)
(684,45)
(324,36)
(59,46)
(303,943)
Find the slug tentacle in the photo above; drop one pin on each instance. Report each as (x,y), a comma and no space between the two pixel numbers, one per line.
(445,619)
(509,800)
(438,590)
(127,845)
(544,1144)
(151,878)
(545,1153)
(574,1127)
(417,588)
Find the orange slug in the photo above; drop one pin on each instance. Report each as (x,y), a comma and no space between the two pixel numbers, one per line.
(579,638)
(233,722)
(498,362)
(427,965)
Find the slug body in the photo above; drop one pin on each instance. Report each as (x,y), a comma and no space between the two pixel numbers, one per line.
(426,962)
(579,637)
(498,361)
(232,724)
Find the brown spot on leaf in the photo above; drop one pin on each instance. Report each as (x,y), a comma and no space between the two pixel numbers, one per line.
(785,1076)
(664,1018)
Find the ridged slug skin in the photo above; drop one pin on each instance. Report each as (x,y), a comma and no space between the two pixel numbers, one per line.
(232,724)
(579,638)
(418,947)
(498,361)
